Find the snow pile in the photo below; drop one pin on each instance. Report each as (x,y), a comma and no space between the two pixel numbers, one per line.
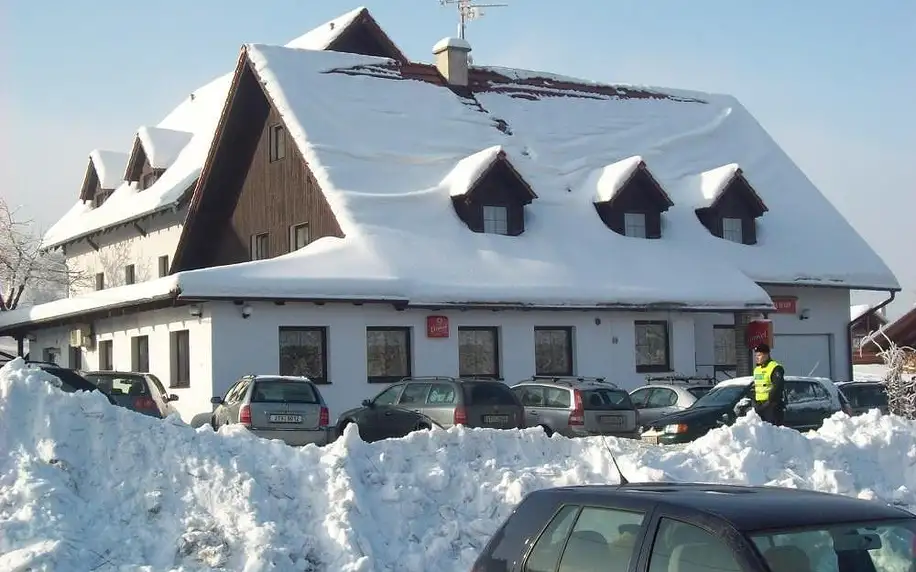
(88,486)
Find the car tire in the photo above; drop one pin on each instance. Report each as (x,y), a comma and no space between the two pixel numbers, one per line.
(423,426)
(213,423)
(547,430)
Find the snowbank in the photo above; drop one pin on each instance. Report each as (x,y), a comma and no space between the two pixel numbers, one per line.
(84,485)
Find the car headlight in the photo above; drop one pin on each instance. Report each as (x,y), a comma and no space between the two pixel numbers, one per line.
(675,429)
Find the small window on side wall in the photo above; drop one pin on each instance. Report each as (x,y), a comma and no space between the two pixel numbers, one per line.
(495,219)
(106,355)
(553,351)
(130,274)
(478,352)
(635,224)
(259,246)
(298,236)
(304,352)
(163,265)
(731,229)
(652,347)
(388,356)
(277,142)
(180,342)
(100,281)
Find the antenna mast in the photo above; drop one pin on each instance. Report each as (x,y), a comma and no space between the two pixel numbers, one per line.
(467,11)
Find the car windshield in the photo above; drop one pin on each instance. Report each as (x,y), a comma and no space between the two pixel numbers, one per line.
(723,396)
(606,399)
(488,393)
(699,392)
(882,546)
(116,384)
(281,391)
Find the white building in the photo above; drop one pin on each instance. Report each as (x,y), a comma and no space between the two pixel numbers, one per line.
(358,217)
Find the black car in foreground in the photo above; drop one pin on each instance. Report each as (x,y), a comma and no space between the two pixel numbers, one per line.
(70,380)
(676,527)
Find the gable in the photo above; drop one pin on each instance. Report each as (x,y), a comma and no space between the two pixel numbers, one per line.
(91,184)
(729,194)
(364,36)
(242,192)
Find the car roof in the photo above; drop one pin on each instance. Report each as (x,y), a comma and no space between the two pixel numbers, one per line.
(750,508)
(569,381)
(859,382)
(676,385)
(289,378)
(110,372)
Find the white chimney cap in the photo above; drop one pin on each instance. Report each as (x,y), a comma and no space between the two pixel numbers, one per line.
(451,43)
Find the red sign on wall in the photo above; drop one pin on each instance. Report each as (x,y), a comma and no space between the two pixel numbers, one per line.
(785,304)
(759,332)
(436,327)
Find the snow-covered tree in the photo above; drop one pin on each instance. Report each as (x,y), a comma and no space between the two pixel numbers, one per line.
(27,274)
(900,379)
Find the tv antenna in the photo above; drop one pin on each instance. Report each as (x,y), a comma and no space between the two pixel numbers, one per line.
(467,11)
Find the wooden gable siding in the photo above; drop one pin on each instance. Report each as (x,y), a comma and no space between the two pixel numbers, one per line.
(91,183)
(365,37)
(639,195)
(730,205)
(274,197)
(500,186)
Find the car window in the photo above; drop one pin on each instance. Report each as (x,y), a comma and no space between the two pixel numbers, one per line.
(866,396)
(488,393)
(240,391)
(682,546)
(557,397)
(801,392)
(546,552)
(230,395)
(640,397)
(158,385)
(280,391)
(120,385)
(389,396)
(698,392)
(414,393)
(602,539)
(661,397)
(530,395)
(441,394)
(606,399)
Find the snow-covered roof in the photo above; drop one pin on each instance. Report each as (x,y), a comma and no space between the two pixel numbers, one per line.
(389,176)
(858,310)
(109,167)
(179,143)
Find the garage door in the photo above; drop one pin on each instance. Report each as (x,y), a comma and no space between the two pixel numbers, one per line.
(803,354)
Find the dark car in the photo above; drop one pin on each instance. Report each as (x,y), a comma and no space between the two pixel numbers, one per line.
(665,527)
(864,396)
(140,392)
(809,401)
(418,403)
(70,380)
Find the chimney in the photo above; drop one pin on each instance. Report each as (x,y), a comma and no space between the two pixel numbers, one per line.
(452,60)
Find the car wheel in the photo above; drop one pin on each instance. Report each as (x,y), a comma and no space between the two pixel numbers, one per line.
(547,430)
(213,423)
(423,426)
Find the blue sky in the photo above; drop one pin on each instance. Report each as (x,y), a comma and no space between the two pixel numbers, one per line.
(834,83)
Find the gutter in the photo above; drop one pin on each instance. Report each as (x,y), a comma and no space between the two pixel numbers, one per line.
(851,371)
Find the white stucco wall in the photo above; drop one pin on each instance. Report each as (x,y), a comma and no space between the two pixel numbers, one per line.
(607,349)
(157,325)
(123,246)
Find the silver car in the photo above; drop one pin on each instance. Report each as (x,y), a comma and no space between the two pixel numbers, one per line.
(577,406)
(275,407)
(656,400)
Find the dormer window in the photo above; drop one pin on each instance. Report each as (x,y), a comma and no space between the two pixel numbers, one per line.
(488,193)
(103,176)
(149,179)
(100,198)
(730,206)
(628,198)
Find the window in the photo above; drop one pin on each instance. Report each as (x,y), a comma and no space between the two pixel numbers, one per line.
(682,546)
(804,392)
(180,343)
(304,351)
(259,246)
(441,394)
(387,354)
(389,396)
(652,353)
(640,397)
(298,236)
(661,397)
(724,346)
(634,224)
(100,281)
(76,358)
(149,180)
(557,397)
(163,265)
(139,354)
(51,355)
(602,539)
(106,355)
(478,352)
(277,142)
(553,351)
(731,229)
(546,552)
(495,219)
(414,394)
(130,274)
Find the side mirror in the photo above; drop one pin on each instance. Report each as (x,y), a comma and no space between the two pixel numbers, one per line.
(173,397)
(367,403)
(217,400)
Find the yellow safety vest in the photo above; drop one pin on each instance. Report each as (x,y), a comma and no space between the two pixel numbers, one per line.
(763,381)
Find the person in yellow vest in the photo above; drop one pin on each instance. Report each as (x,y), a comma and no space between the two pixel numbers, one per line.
(769,386)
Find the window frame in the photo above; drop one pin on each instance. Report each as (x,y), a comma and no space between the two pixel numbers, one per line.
(496,375)
(322,379)
(130,274)
(730,233)
(502,222)
(277,142)
(568,350)
(139,352)
(178,338)
(163,265)
(106,350)
(652,368)
(737,548)
(99,281)
(641,225)
(294,237)
(715,358)
(406,331)
(148,180)
(254,246)
(100,198)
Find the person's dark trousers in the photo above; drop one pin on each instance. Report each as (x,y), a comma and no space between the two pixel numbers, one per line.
(771,413)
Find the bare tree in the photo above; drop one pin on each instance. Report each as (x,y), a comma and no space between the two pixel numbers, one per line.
(27,273)
(900,379)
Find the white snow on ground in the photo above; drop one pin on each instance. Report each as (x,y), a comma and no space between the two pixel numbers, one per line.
(88,486)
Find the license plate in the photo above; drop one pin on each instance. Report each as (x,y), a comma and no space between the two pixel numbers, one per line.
(611,419)
(496,419)
(651,439)
(274,418)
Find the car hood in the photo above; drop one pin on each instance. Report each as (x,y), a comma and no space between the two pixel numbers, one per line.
(693,416)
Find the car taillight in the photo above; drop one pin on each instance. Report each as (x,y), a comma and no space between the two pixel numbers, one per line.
(245,416)
(324,417)
(144,403)
(577,415)
(461,416)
